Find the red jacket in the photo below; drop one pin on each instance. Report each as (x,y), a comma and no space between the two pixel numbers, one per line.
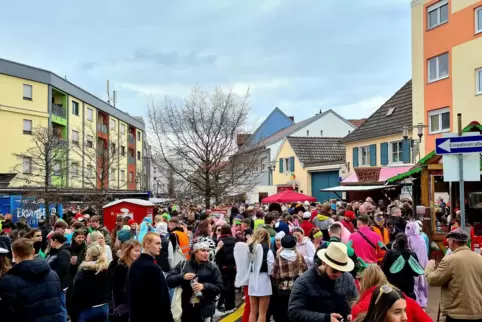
(414,312)
(307,226)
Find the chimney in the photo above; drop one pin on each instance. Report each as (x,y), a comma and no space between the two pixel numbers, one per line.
(291,118)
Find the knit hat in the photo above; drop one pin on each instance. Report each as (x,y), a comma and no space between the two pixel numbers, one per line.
(131,221)
(161,228)
(124,235)
(199,246)
(307,215)
(288,242)
(350,214)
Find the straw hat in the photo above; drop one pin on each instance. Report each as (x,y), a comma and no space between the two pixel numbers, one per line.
(336,256)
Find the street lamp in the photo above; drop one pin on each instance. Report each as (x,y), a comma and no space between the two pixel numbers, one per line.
(420,127)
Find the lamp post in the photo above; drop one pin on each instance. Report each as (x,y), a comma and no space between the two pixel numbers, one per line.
(271,169)
(420,127)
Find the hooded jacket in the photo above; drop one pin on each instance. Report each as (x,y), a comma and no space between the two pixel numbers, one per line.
(31,292)
(323,221)
(91,287)
(306,248)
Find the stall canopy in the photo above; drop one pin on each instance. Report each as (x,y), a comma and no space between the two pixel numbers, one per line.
(357,188)
(288,196)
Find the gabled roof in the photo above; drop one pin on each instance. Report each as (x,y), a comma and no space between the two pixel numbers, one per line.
(389,119)
(357,123)
(276,110)
(281,134)
(313,151)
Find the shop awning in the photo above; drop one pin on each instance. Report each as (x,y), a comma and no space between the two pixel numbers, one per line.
(357,188)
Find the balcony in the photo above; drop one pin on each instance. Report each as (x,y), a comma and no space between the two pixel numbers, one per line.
(131,139)
(131,160)
(102,128)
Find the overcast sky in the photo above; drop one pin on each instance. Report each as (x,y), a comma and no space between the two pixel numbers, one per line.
(301,56)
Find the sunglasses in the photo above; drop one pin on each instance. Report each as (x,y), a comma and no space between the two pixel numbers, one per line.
(384,289)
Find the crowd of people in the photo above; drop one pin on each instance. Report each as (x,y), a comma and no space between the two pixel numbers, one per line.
(357,261)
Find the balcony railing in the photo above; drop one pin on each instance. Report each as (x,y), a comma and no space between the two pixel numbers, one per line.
(102,128)
(131,139)
(131,160)
(59,110)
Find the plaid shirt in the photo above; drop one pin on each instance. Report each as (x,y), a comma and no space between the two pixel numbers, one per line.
(286,272)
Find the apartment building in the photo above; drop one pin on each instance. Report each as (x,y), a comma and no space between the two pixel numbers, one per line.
(446,65)
(100,137)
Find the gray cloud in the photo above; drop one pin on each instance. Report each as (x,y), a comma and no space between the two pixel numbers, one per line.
(173,58)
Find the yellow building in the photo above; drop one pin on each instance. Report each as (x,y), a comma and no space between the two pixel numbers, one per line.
(309,164)
(446,65)
(382,147)
(94,133)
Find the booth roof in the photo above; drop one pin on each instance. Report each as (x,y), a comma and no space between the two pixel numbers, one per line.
(139,202)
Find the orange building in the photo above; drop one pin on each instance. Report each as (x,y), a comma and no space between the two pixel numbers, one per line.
(446,65)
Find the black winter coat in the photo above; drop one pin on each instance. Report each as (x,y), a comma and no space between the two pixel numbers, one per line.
(147,291)
(225,256)
(315,296)
(90,289)
(31,292)
(59,261)
(209,275)
(118,272)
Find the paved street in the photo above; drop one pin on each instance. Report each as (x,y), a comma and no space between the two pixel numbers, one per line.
(432,309)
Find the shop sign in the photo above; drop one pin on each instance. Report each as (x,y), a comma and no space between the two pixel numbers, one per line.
(368,174)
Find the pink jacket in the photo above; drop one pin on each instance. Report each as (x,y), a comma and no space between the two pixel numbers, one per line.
(362,248)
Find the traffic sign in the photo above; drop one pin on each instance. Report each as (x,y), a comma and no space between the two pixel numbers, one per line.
(459,144)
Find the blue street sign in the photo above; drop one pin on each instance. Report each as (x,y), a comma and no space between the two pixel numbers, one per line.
(459,144)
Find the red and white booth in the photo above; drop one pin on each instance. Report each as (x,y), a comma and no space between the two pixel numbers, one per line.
(136,209)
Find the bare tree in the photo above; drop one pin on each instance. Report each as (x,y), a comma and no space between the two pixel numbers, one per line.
(42,168)
(197,140)
(102,159)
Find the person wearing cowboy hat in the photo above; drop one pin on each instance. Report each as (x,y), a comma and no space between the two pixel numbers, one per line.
(331,288)
(458,275)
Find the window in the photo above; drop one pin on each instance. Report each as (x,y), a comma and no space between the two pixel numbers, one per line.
(478,82)
(123,175)
(131,176)
(307,132)
(396,152)
(90,141)
(139,155)
(113,175)
(27,165)
(321,133)
(90,172)
(138,136)
(364,155)
(75,137)
(90,114)
(27,126)
(74,169)
(113,148)
(437,14)
(112,124)
(478,20)
(27,92)
(56,169)
(390,111)
(123,129)
(286,167)
(123,151)
(439,121)
(75,108)
(264,164)
(438,68)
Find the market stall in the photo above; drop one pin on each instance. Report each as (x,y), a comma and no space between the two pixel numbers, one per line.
(288,196)
(136,209)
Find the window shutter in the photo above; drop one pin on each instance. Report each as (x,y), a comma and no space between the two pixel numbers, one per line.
(406,151)
(384,153)
(373,155)
(355,157)
(280,165)
(292,164)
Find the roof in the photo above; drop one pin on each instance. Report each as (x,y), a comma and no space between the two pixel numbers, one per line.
(358,188)
(380,124)
(139,202)
(39,75)
(357,123)
(281,134)
(317,150)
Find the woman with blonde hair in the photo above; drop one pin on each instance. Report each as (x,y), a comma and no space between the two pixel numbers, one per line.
(91,289)
(259,288)
(372,279)
(98,237)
